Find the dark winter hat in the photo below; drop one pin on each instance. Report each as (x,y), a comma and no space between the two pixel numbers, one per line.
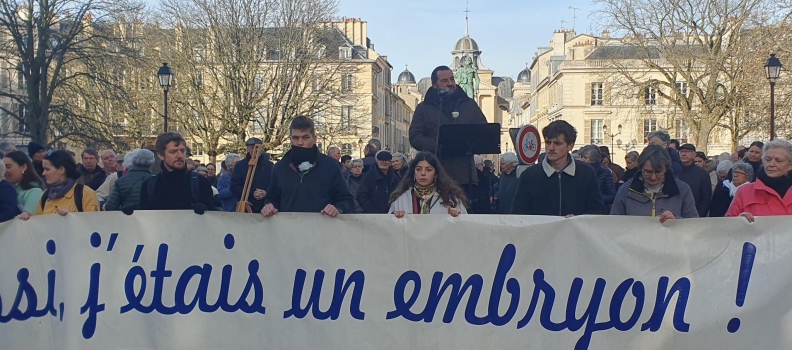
(688,147)
(34,148)
(253,141)
(384,155)
(702,155)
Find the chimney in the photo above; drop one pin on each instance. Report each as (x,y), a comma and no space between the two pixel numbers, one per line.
(606,34)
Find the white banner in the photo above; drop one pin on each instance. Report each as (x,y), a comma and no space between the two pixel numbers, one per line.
(177,280)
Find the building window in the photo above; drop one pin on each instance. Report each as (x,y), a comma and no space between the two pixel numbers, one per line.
(683,88)
(199,81)
(346,82)
(21,81)
(344,53)
(597,94)
(650,124)
(258,82)
(597,132)
(316,83)
(198,151)
(24,127)
(273,55)
(198,53)
(346,118)
(346,148)
(682,130)
(650,96)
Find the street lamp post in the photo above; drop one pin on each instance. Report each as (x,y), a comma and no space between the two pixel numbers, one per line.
(165,75)
(772,71)
(612,136)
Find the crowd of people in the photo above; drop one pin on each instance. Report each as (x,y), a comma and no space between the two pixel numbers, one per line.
(666,180)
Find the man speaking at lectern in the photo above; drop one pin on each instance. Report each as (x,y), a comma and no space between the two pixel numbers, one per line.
(445,103)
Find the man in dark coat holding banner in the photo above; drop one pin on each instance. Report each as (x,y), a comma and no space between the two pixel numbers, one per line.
(305,180)
(445,103)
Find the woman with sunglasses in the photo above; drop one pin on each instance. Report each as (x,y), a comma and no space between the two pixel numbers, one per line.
(428,191)
(653,191)
(63,194)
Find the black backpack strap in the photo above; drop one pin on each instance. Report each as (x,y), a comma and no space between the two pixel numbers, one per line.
(195,187)
(44,197)
(78,196)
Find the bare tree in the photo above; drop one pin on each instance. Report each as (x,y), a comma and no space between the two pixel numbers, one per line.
(248,67)
(688,51)
(51,45)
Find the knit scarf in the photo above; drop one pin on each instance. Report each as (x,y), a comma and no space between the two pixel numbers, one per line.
(425,193)
(60,189)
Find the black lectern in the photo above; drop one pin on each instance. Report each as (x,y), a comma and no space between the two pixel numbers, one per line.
(467,140)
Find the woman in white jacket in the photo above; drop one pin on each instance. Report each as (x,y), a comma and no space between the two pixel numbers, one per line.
(428,191)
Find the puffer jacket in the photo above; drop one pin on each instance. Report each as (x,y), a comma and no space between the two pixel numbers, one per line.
(126,190)
(228,201)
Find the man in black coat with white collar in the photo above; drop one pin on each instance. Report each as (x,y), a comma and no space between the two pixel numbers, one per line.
(305,180)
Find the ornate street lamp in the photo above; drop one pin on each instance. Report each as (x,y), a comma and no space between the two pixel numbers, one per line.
(772,71)
(165,75)
(612,136)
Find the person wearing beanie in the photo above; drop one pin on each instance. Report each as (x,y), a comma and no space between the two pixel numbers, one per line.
(377,185)
(37,152)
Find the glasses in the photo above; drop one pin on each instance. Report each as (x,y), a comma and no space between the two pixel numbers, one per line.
(740,173)
(357,166)
(650,173)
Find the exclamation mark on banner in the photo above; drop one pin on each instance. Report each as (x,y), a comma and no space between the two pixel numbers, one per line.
(746,266)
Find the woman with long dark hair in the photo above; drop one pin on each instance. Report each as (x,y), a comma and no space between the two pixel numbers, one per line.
(427,190)
(28,185)
(64,194)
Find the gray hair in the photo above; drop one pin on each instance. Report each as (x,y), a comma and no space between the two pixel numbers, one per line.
(333,149)
(356,161)
(745,167)
(661,134)
(402,156)
(2,171)
(723,168)
(632,155)
(656,156)
(778,143)
(510,158)
(592,152)
(201,168)
(128,158)
(109,150)
(725,156)
(142,158)
(230,158)
(477,159)
(6,146)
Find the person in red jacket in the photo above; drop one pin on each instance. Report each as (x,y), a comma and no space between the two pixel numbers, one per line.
(769,195)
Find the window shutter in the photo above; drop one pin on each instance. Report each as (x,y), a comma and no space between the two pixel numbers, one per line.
(606,94)
(587,133)
(588,95)
(606,138)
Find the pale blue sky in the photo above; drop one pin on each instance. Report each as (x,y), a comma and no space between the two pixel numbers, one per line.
(422,33)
